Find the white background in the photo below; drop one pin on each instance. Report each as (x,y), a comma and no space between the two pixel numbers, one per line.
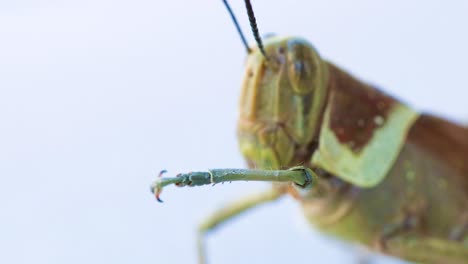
(97,95)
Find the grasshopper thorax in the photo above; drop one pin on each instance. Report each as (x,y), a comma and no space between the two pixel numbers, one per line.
(281,103)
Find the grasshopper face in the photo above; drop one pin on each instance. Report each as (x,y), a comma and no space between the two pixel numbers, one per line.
(281,103)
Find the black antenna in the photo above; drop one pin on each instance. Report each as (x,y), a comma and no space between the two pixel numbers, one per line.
(253,26)
(239,30)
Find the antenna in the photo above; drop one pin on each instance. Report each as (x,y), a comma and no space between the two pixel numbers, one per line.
(239,30)
(253,26)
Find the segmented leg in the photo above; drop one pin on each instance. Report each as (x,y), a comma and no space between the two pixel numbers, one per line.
(230,211)
(302,177)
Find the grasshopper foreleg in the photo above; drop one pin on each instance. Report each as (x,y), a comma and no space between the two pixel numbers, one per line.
(301,176)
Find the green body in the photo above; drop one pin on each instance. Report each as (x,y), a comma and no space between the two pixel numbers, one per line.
(386,173)
(365,167)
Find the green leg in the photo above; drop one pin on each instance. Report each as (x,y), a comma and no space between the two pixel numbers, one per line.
(230,211)
(301,176)
(427,250)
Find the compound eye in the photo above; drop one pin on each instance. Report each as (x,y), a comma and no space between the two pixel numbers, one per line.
(302,67)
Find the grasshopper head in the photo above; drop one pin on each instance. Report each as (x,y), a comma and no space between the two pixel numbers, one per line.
(281,103)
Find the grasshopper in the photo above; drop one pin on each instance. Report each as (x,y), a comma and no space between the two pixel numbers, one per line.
(364,166)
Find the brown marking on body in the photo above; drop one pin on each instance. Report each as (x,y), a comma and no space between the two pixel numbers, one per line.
(444,140)
(356,109)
